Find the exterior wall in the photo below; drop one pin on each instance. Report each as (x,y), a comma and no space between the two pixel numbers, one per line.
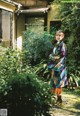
(20,27)
(14,31)
(20,24)
(32,3)
(53,14)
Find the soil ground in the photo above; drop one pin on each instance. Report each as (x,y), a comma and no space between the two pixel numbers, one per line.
(70,105)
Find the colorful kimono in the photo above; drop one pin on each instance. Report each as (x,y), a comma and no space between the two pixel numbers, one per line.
(60,73)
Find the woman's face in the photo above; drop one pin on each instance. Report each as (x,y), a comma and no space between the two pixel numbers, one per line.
(59,36)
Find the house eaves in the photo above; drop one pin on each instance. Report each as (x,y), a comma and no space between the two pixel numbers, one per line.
(12,2)
(35,10)
(10,5)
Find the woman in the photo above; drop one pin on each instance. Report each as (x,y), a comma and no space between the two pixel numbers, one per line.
(57,66)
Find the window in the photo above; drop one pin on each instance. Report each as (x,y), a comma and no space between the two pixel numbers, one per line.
(5,27)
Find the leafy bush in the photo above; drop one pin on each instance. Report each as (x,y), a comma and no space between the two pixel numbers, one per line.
(37,44)
(25,94)
(71,26)
(10,64)
(22,92)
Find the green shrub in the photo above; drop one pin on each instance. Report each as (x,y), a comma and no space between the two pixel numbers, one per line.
(71,26)
(25,94)
(37,45)
(22,92)
(10,64)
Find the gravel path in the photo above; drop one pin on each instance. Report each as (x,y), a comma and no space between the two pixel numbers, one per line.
(70,106)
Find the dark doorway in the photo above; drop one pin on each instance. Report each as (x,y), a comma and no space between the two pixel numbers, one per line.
(54,25)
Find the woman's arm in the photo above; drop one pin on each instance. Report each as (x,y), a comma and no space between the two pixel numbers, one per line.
(62,56)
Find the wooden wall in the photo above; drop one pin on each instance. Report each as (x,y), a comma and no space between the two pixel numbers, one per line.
(33,3)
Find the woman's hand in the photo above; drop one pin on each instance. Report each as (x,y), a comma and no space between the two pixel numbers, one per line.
(56,57)
(58,65)
(62,84)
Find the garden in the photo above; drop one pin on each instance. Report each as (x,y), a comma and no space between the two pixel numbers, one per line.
(24,76)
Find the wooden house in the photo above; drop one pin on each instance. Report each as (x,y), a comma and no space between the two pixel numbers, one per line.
(17,15)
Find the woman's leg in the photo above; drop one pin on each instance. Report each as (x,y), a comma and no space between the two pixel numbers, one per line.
(59,98)
(59,95)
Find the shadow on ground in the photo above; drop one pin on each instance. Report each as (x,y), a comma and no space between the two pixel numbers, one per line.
(70,106)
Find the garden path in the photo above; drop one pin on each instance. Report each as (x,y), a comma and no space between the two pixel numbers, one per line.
(70,106)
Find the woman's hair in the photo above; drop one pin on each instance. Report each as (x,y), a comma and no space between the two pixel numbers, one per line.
(60,31)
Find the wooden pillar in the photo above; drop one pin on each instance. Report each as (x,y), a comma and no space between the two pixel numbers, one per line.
(45,22)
